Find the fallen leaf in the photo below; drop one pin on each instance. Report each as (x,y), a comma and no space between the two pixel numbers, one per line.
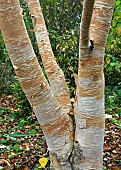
(43,161)
(26,168)
(115,168)
(107,147)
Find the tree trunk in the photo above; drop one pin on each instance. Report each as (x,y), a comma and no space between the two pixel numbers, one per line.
(90,115)
(54,73)
(56,125)
(84,151)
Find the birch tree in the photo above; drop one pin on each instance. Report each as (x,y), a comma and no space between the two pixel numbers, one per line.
(73,144)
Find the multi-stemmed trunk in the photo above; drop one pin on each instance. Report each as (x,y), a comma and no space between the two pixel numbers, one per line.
(72,145)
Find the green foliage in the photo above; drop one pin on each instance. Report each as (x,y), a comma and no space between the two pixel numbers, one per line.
(3,110)
(6,69)
(112,65)
(104,168)
(16,148)
(113,99)
(63,19)
(66,51)
(118,123)
(113,49)
(29,26)
(62,15)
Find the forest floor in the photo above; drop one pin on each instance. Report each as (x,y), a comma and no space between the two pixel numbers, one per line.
(22,143)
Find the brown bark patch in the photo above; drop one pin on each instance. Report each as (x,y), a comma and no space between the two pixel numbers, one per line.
(64,100)
(98,121)
(91,68)
(98,92)
(34,82)
(58,127)
(25,69)
(91,62)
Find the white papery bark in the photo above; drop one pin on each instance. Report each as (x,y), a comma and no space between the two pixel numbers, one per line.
(90,111)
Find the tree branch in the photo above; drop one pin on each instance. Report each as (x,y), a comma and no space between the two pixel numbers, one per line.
(54,73)
(85,22)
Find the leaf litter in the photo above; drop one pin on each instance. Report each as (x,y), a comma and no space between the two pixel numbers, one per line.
(23,146)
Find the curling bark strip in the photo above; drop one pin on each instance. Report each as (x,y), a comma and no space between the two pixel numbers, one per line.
(54,73)
(35,86)
(90,117)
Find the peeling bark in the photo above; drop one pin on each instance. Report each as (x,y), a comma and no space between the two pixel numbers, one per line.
(54,73)
(56,125)
(90,115)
